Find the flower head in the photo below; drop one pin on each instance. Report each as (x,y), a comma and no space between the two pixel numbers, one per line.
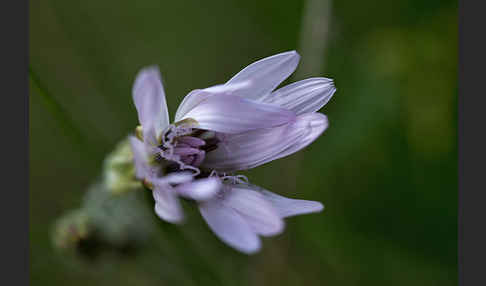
(235,126)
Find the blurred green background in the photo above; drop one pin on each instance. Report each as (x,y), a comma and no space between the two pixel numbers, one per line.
(385,169)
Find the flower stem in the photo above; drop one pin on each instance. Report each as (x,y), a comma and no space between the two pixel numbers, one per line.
(314,37)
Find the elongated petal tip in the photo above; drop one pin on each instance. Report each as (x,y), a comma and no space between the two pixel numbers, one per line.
(317,121)
(251,249)
(166,215)
(149,98)
(292,53)
(288,55)
(167,205)
(303,96)
(308,207)
(148,74)
(288,207)
(266,74)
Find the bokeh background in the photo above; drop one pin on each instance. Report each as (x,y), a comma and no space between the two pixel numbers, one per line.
(385,169)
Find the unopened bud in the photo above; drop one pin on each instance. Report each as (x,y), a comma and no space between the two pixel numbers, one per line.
(139,132)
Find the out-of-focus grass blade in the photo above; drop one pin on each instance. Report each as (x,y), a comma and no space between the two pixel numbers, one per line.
(60,115)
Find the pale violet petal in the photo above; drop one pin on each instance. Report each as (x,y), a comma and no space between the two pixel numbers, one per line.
(151,170)
(266,74)
(196,96)
(179,177)
(250,149)
(229,226)
(232,114)
(139,157)
(304,96)
(262,217)
(167,205)
(288,207)
(242,151)
(201,189)
(149,98)
(191,100)
(317,123)
(173,178)
(229,88)
(150,134)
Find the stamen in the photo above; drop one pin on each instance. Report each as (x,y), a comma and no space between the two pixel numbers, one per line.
(170,152)
(243,178)
(186,146)
(185,151)
(199,158)
(234,179)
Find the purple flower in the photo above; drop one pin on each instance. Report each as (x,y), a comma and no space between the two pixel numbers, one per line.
(167,155)
(239,125)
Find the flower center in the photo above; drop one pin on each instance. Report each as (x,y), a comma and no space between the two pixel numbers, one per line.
(184,148)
